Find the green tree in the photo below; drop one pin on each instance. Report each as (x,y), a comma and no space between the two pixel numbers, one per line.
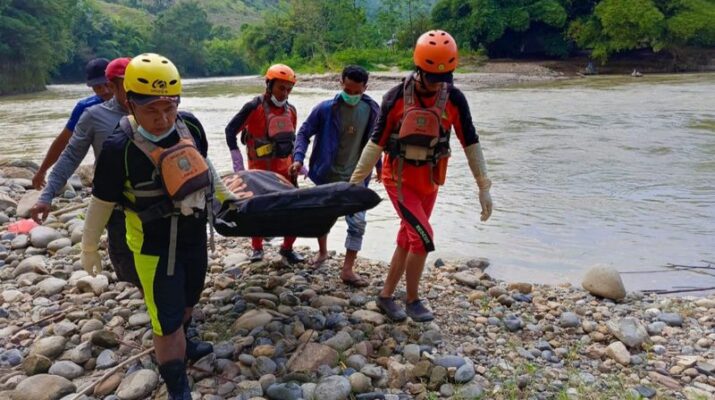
(36,38)
(179,33)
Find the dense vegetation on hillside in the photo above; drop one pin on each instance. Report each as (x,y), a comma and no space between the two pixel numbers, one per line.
(44,40)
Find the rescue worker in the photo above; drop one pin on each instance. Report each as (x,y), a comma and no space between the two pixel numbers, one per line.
(413,129)
(154,168)
(341,127)
(94,126)
(96,79)
(267,126)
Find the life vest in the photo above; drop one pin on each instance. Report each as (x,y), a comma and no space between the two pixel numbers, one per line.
(420,138)
(183,176)
(278,138)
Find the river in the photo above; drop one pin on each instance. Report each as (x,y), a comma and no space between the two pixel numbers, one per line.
(612,170)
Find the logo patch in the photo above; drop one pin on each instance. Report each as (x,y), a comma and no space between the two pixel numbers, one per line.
(421,121)
(184,164)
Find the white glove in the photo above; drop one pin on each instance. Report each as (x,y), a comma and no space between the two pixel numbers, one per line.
(478,166)
(368,159)
(98,214)
(91,261)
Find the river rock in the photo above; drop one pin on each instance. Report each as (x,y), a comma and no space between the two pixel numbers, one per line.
(36,364)
(43,387)
(20,242)
(59,244)
(82,353)
(6,202)
(368,316)
(312,356)
(50,347)
(604,281)
(138,385)
(26,202)
(630,331)
(41,236)
(10,295)
(340,342)
(51,286)
(34,264)
(284,391)
(468,278)
(569,320)
(106,359)
(251,319)
(66,369)
(333,388)
(108,385)
(139,320)
(672,319)
(360,383)
(93,284)
(619,353)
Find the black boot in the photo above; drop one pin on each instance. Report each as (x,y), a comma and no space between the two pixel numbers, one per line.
(177,383)
(197,349)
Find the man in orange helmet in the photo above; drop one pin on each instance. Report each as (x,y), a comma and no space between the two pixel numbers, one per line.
(413,129)
(267,126)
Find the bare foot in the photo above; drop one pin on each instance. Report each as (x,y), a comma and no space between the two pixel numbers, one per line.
(353,279)
(320,259)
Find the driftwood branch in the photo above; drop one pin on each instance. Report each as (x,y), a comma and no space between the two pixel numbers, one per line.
(667,291)
(69,208)
(110,373)
(47,318)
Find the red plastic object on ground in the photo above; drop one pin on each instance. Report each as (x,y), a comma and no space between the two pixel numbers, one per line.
(22,226)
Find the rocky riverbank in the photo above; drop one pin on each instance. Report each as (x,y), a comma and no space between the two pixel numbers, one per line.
(290,333)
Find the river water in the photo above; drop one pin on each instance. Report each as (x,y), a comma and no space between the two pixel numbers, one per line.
(617,171)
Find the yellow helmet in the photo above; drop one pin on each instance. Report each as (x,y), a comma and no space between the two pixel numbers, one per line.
(152,75)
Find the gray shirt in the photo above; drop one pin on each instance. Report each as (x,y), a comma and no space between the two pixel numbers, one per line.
(353,121)
(94,126)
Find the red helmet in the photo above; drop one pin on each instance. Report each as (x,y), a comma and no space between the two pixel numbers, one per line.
(281,71)
(436,52)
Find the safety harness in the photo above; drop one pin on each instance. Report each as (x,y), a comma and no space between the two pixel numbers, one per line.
(278,138)
(419,138)
(182,174)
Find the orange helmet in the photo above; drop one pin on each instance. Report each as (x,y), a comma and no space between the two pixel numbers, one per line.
(436,52)
(280,71)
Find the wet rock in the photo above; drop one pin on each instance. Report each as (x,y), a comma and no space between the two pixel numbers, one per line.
(43,387)
(66,369)
(50,347)
(284,391)
(618,352)
(333,388)
(51,286)
(630,331)
(138,385)
(41,236)
(604,281)
(312,356)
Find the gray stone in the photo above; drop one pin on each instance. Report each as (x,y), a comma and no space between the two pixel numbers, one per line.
(138,320)
(6,202)
(312,356)
(58,244)
(619,353)
(465,373)
(224,350)
(340,342)
(51,286)
(468,278)
(252,319)
(95,284)
(449,361)
(360,383)
(672,319)
(411,352)
(656,328)
(368,316)
(356,361)
(138,385)
(284,391)
(41,236)
(27,201)
(334,387)
(64,328)
(10,358)
(106,339)
(66,369)
(106,359)
(569,320)
(34,264)
(308,390)
(604,281)
(630,331)
(43,387)
(20,242)
(470,391)
(82,353)
(249,389)
(36,364)
(513,323)
(646,391)
(264,365)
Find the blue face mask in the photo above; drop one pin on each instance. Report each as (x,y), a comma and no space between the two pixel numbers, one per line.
(350,99)
(155,138)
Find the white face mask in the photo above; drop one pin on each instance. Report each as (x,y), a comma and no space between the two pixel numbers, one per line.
(155,138)
(278,103)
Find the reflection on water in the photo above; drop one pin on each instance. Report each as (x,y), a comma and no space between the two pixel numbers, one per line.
(619,171)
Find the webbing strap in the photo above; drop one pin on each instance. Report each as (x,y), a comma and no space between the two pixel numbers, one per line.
(173,233)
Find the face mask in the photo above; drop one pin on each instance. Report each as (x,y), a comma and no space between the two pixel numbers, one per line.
(278,103)
(349,99)
(155,138)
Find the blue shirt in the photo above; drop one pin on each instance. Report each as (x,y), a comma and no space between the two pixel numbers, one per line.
(79,109)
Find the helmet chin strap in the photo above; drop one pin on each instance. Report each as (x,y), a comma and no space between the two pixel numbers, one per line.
(422,87)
